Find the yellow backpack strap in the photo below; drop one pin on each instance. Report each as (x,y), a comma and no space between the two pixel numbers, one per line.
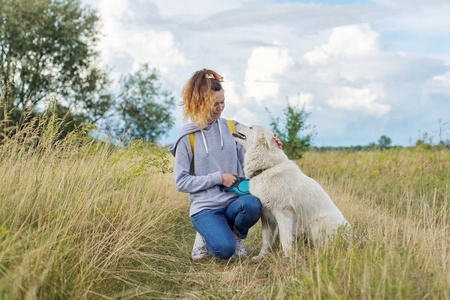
(230,122)
(191,140)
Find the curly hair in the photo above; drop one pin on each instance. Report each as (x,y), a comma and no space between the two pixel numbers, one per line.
(199,98)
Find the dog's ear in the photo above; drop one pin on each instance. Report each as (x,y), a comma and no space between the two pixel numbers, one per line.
(265,140)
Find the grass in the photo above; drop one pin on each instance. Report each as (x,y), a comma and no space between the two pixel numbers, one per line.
(83,220)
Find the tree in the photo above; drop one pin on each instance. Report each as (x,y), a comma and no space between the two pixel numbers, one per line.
(384,142)
(144,107)
(47,49)
(290,128)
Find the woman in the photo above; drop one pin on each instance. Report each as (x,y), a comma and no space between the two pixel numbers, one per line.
(221,218)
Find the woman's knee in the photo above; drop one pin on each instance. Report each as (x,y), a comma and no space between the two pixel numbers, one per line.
(224,250)
(252,205)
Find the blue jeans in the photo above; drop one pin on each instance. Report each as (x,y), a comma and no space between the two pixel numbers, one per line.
(218,226)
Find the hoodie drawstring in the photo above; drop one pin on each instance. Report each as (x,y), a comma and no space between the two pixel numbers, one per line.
(204,138)
(204,142)
(221,138)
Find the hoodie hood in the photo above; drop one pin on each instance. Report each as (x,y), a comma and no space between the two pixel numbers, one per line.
(191,128)
(187,129)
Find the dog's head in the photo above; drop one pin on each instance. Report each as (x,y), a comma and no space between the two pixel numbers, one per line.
(254,136)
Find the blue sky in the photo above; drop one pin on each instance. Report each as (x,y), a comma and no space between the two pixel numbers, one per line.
(328,2)
(361,68)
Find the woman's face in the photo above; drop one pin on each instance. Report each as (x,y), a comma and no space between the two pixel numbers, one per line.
(219,105)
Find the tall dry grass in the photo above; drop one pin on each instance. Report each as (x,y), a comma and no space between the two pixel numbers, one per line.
(79,219)
(85,220)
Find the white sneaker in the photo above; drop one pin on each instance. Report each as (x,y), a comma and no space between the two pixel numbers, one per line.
(240,248)
(199,250)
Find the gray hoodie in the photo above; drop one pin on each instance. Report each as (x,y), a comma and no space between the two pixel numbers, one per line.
(216,153)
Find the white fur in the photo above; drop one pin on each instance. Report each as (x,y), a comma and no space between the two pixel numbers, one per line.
(293,203)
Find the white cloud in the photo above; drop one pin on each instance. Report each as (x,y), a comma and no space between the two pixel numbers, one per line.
(245,115)
(443,79)
(304,17)
(122,39)
(302,100)
(158,48)
(353,63)
(359,100)
(350,56)
(354,41)
(233,98)
(193,8)
(264,67)
(410,2)
(439,84)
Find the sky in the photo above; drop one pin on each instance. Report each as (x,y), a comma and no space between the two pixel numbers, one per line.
(362,69)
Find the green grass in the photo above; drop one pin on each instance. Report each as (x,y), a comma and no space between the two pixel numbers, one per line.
(81,220)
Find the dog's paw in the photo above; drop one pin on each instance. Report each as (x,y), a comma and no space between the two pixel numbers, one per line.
(257,257)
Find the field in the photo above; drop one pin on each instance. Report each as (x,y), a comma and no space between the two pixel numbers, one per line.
(81,220)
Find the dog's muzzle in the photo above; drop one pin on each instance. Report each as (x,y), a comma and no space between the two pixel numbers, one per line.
(239,135)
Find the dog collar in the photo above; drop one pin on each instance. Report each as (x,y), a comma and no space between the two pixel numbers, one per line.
(257,172)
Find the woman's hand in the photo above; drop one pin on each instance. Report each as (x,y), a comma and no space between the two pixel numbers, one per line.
(229,179)
(276,139)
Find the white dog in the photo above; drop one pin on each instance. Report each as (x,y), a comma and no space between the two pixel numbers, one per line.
(292,202)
